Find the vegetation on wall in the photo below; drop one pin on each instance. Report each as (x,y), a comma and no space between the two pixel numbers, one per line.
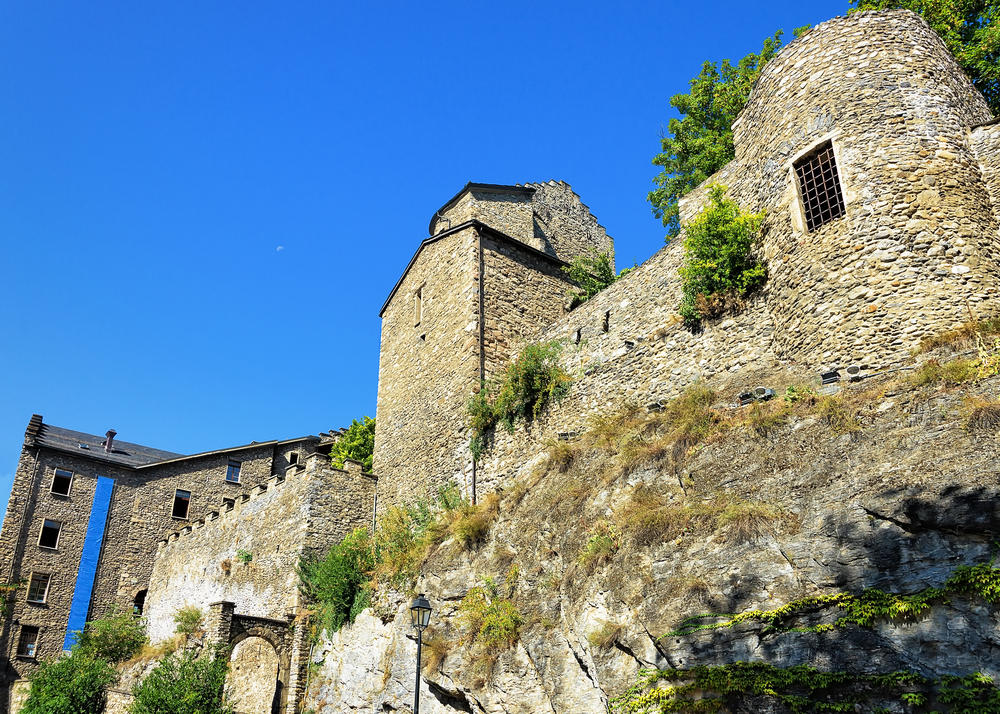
(532,380)
(591,274)
(720,266)
(491,619)
(188,620)
(970,29)
(338,583)
(357,443)
(183,683)
(115,638)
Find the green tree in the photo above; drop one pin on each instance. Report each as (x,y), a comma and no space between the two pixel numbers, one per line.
(72,684)
(114,638)
(719,262)
(357,442)
(338,583)
(700,141)
(969,28)
(183,684)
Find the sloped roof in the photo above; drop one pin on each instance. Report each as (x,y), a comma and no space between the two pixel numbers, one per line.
(92,446)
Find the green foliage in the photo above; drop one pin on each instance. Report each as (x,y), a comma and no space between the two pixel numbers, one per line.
(491,618)
(800,689)
(603,541)
(357,443)
(532,380)
(72,684)
(864,609)
(970,29)
(700,141)
(115,638)
(184,684)
(244,556)
(719,261)
(591,274)
(188,620)
(338,583)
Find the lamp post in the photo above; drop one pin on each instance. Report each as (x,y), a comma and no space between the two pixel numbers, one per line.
(420,615)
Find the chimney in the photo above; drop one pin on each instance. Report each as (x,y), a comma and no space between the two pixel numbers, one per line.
(110,441)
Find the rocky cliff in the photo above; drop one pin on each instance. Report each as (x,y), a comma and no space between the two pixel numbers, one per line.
(839,524)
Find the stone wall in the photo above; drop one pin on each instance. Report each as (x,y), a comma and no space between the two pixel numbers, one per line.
(563,224)
(277,522)
(985,142)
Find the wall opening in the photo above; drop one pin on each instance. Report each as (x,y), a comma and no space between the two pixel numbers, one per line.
(252,683)
(61,482)
(139,603)
(88,558)
(819,186)
(606,323)
(48,537)
(182,501)
(418,306)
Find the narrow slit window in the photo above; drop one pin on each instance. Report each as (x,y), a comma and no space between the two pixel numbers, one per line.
(27,643)
(293,458)
(576,336)
(49,537)
(61,482)
(418,306)
(182,501)
(38,588)
(819,186)
(606,325)
(233,471)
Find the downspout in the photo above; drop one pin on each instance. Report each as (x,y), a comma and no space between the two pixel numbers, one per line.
(482,335)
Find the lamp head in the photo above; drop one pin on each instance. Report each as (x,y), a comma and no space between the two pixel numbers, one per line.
(420,612)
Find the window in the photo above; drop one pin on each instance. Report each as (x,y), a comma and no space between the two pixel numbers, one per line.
(182,500)
(28,641)
(139,603)
(819,186)
(38,588)
(61,482)
(293,458)
(233,471)
(49,537)
(418,305)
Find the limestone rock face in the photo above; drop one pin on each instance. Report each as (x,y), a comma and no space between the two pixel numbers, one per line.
(896,506)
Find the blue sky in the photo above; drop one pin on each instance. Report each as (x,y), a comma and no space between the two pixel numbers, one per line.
(203,205)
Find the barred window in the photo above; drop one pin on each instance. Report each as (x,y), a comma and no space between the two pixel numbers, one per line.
(819,184)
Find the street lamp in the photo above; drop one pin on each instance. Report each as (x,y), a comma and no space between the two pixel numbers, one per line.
(420,616)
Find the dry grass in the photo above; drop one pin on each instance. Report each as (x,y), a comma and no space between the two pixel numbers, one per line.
(949,374)
(981,414)
(604,636)
(961,338)
(470,524)
(158,651)
(839,412)
(435,649)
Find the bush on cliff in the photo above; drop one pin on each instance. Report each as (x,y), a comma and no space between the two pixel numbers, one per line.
(532,380)
(184,684)
(720,266)
(357,443)
(71,684)
(591,274)
(338,583)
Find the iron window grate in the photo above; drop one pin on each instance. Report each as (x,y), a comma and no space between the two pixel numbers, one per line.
(819,184)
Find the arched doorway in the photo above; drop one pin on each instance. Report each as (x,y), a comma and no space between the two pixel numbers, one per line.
(252,685)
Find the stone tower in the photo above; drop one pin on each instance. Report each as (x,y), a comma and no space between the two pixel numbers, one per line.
(488,278)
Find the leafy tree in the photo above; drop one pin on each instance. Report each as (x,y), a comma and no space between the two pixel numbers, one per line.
(591,274)
(72,684)
(115,638)
(183,684)
(719,263)
(969,28)
(337,584)
(357,442)
(700,142)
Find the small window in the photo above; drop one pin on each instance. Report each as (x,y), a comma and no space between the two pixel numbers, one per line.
(49,537)
(182,500)
(819,186)
(293,458)
(61,482)
(28,642)
(233,471)
(139,603)
(576,336)
(418,306)
(606,324)
(38,588)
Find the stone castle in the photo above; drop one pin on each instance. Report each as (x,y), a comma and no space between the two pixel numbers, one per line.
(878,167)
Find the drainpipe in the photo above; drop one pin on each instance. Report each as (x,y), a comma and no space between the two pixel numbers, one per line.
(482,335)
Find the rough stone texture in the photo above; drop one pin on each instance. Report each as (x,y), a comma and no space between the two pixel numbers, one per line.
(985,142)
(896,506)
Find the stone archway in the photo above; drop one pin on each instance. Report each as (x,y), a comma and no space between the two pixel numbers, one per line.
(253,685)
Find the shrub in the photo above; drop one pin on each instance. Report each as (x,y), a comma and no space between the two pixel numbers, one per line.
(338,583)
(532,380)
(244,556)
(472,523)
(950,373)
(188,620)
(602,543)
(492,621)
(114,638)
(183,684)
(605,635)
(357,442)
(720,267)
(591,274)
(71,684)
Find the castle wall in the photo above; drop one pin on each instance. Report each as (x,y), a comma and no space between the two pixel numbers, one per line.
(276,523)
(985,142)
(428,371)
(564,225)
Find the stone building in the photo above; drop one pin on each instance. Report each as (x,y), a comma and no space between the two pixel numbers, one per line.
(877,165)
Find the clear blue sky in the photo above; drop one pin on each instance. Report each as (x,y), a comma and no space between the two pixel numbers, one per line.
(203,205)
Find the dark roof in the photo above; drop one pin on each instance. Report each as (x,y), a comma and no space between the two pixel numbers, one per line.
(479,225)
(123,452)
(483,187)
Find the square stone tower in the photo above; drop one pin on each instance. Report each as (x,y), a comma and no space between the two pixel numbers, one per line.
(488,279)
